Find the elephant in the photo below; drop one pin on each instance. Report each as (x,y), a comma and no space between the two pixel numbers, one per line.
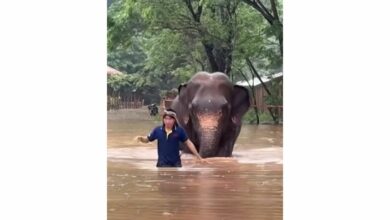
(209,107)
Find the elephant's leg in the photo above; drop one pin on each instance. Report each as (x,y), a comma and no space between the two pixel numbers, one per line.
(223,152)
(226,148)
(228,141)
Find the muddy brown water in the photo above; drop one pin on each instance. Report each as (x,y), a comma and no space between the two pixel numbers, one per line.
(247,186)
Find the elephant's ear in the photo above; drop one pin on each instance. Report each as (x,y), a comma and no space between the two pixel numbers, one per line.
(183,103)
(182,86)
(240,103)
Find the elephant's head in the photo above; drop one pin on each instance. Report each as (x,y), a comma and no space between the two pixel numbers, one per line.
(210,107)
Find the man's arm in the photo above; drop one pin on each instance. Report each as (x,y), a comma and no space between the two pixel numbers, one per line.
(146,139)
(143,139)
(192,148)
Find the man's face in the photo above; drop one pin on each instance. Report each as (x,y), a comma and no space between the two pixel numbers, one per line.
(169,121)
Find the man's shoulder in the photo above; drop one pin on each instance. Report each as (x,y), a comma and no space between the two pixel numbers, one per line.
(178,128)
(181,129)
(157,129)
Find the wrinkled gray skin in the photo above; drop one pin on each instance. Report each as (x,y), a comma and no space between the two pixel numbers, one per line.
(209,107)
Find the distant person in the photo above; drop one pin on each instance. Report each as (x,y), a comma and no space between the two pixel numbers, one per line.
(153,109)
(169,135)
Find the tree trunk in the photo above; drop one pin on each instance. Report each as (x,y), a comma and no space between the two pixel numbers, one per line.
(274,11)
(281,44)
(220,58)
(257,5)
(257,75)
(276,18)
(210,56)
(254,97)
(265,86)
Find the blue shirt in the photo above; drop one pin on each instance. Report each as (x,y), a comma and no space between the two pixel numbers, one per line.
(168,146)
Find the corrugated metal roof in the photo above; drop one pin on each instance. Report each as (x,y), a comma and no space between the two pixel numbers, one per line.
(257,82)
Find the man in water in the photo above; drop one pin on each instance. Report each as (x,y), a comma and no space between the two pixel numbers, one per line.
(169,135)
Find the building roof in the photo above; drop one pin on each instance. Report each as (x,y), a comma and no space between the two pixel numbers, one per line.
(257,82)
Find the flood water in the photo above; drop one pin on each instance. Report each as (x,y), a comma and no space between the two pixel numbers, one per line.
(247,186)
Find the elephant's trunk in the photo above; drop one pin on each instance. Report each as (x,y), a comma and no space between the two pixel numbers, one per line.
(209,134)
(209,141)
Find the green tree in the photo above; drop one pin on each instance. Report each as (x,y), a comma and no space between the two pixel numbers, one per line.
(162,43)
